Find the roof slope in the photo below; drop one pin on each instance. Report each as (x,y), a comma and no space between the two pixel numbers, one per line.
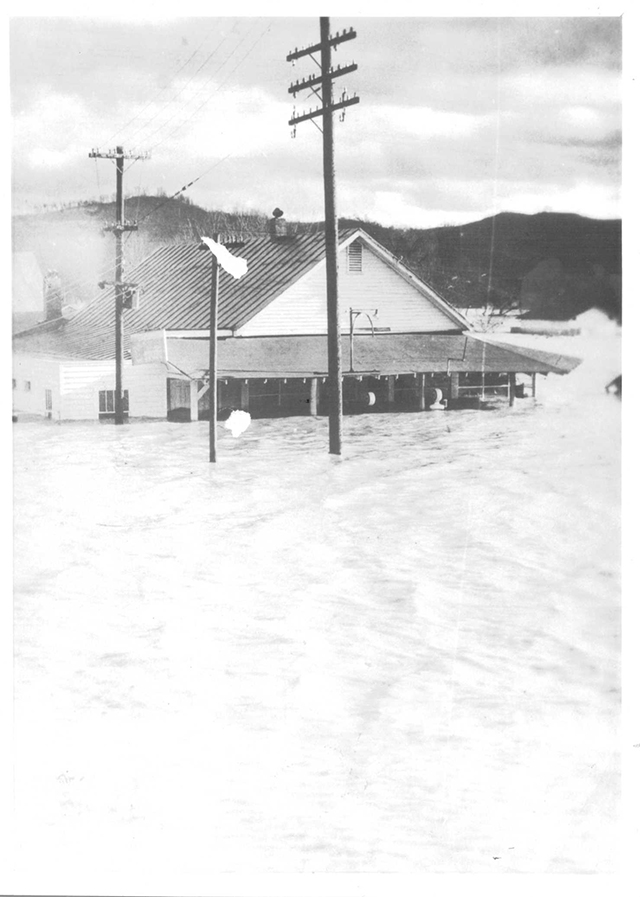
(306,356)
(176,289)
(176,285)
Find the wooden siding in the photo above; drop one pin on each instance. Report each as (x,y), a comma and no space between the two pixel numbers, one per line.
(302,308)
(42,374)
(81,381)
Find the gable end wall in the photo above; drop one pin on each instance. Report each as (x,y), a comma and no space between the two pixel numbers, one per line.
(302,310)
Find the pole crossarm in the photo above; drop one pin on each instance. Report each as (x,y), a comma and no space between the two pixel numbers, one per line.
(320,110)
(125,293)
(118,283)
(318,79)
(315,48)
(326,78)
(115,154)
(121,228)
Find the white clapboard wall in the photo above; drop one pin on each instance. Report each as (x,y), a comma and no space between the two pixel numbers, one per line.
(302,309)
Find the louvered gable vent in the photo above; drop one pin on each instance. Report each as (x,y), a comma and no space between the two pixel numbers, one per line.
(354,257)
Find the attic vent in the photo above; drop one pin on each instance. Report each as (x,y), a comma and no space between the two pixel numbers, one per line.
(354,257)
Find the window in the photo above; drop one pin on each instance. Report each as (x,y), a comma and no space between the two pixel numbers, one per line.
(27,385)
(354,257)
(107,402)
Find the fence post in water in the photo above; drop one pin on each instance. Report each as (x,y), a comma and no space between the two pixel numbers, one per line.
(422,404)
(512,389)
(391,392)
(313,397)
(193,400)
(244,395)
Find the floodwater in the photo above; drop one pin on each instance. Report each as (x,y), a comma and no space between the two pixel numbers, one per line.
(405,659)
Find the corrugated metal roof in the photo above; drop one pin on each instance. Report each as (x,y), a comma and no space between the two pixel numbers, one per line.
(176,284)
(306,356)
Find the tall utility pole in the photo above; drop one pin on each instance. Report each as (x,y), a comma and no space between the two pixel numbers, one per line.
(326,79)
(122,290)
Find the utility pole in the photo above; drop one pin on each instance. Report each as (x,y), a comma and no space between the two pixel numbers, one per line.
(234,243)
(326,79)
(213,354)
(123,291)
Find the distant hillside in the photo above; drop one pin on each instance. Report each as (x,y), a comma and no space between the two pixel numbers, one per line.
(549,265)
(72,240)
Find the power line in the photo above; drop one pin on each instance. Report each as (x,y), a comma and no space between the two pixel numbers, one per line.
(182,123)
(162,90)
(186,187)
(197,93)
(181,91)
(78,284)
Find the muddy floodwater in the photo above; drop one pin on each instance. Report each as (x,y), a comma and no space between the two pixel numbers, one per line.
(402,660)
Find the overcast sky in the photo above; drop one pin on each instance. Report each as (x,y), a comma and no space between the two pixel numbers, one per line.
(458,118)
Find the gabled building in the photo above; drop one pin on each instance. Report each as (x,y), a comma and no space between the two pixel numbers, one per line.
(401,340)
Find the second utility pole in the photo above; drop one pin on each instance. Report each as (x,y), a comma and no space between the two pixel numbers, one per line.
(122,290)
(213,356)
(120,226)
(334,345)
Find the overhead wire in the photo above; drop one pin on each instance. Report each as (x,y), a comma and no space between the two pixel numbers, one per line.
(78,283)
(219,162)
(182,189)
(200,90)
(182,89)
(222,83)
(162,89)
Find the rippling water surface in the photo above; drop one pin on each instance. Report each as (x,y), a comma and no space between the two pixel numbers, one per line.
(402,660)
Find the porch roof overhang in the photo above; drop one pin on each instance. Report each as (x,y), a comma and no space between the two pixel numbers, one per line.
(383,355)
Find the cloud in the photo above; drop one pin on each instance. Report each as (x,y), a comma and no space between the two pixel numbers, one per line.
(566,86)
(46,158)
(52,133)
(565,41)
(455,114)
(422,122)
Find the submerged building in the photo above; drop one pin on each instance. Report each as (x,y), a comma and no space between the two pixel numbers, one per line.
(403,345)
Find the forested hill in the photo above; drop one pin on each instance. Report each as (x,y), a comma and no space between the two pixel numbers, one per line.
(549,265)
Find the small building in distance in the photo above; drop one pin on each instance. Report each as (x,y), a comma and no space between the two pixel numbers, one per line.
(403,345)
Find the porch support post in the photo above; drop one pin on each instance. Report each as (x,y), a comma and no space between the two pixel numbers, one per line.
(512,389)
(533,386)
(454,389)
(244,395)
(422,404)
(391,389)
(313,397)
(193,399)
